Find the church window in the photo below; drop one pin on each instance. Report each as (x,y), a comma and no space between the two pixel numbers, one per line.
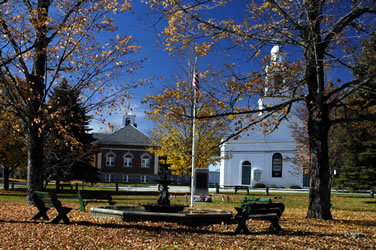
(128,160)
(110,159)
(145,160)
(125,178)
(108,177)
(144,179)
(277,165)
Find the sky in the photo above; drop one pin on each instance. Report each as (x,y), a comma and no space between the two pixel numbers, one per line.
(138,23)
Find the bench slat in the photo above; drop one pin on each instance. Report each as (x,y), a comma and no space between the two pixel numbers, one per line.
(256,199)
(86,196)
(262,210)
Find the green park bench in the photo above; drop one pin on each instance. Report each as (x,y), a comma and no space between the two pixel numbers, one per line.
(258,209)
(46,200)
(247,200)
(86,196)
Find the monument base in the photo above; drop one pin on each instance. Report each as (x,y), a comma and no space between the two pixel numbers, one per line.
(202,198)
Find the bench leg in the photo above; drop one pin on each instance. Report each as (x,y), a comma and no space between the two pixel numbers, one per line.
(83,205)
(274,226)
(62,215)
(41,213)
(242,227)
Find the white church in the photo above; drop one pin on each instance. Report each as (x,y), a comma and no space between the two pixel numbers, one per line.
(257,157)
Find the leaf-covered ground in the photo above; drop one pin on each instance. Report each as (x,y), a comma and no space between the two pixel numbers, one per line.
(349,230)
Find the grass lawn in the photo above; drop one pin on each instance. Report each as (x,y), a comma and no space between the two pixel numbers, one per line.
(353,227)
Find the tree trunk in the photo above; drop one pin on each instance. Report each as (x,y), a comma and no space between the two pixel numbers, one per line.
(318,116)
(34,162)
(57,189)
(6,177)
(319,193)
(35,106)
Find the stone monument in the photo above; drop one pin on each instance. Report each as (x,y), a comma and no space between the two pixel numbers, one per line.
(201,185)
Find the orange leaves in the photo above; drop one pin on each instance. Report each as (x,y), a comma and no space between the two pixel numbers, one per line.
(18,231)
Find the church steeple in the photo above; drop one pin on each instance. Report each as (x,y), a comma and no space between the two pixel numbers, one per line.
(273,91)
(273,78)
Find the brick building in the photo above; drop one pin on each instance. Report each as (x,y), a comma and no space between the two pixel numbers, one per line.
(123,156)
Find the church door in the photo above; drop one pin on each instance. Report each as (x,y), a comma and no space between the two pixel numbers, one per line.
(246,173)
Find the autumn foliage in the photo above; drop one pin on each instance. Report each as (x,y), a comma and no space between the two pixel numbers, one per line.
(349,230)
(172,113)
(43,42)
(320,38)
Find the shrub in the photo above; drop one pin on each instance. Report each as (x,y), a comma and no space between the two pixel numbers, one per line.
(294,187)
(259,185)
(273,186)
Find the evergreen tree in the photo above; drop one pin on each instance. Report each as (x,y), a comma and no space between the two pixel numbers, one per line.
(68,149)
(358,170)
(367,165)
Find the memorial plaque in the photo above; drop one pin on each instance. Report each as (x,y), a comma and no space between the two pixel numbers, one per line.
(202,181)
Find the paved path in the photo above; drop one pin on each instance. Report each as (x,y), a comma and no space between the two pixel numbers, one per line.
(211,190)
(186,189)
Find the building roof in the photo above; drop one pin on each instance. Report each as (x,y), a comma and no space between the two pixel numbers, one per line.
(129,135)
(99,136)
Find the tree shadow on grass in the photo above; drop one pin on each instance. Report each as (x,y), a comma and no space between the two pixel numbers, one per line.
(176,228)
(359,223)
(152,228)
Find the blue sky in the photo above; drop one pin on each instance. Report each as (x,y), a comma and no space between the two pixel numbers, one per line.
(138,23)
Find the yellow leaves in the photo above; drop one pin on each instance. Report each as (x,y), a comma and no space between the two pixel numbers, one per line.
(204,48)
(266,4)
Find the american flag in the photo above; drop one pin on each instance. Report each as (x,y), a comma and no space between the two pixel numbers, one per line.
(195,82)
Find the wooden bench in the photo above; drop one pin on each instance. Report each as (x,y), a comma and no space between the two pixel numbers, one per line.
(241,187)
(247,200)
(238,188)
(259,209)
(85,196)
(68,185)
(44,201)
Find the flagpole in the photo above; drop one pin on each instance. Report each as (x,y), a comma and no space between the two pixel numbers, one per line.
(193,132)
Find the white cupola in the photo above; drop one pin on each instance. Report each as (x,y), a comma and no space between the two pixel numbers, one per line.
(129,119)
